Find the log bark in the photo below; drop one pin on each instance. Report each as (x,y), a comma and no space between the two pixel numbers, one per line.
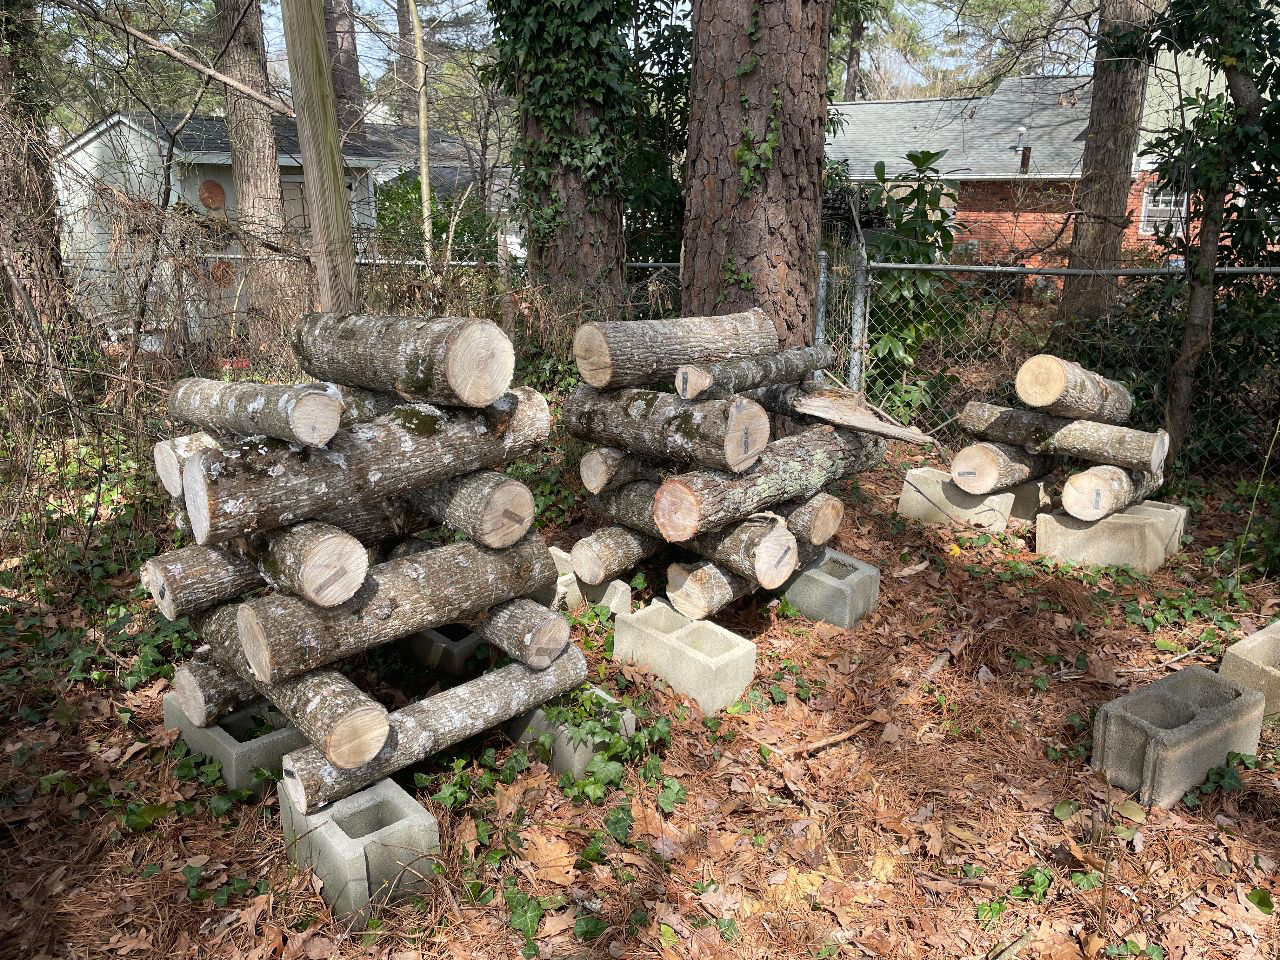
(374,521)
(987,467)
(610,552)
(208,690)
(813,520)
(258,486)
(726,434)
(631,506)
(283,636)
(305,414)
(628,353)
(706,500)
(694,381)
(1041,433)
(489,507)
(186,581)
(605,468)
(361,406)
(760,549)
(315,561)
(1101,491)
(527,632)
(458,362)
(703,589)
(434,724)
(171,455)
(836,406)
(1062,388)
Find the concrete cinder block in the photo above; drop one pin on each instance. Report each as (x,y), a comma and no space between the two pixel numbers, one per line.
(373,847)
(929,495)
(566,592)
(836,588)
(566,755)
(1160,740)
(1254,663)
(1143,537)
(446,648)
(614,594)
(231,740)
(698,658)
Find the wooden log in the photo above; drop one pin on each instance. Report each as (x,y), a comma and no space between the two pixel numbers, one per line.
(434,724)
(631,506)
(813,520)
(862,451)
(1101,491)
(373,521)
(706,500)
(361,406)
(207,690)
(1041,433)
(186,581)
(611,552)
(315,561)
(465,362)
(305,414)
(629,353)
(489,507)
(607,467)
(283,636)
(170,456)
(727,434)
(1063,388)
(759,549)
(701,590)
(987,466)
(835,405)
(260,487)
(694,381)
(527,632)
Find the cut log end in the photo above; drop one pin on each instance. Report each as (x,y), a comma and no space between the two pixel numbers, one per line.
(825,521)
(692,381)
(976,469)
(315,416)
(357,738)
(596,468)
(1086,499)
(547,642)
(588,565)
(684,592)
(480,363)
(195,493)
(253,640)
(333,569)
(676,512)
(1041,381)
(591,351)
(190,695)
(1159,451)
(168,467)
(508,515)
(746,434)
(776,557)
(153,582)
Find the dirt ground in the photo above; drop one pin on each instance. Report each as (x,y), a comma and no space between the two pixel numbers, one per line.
(916,787)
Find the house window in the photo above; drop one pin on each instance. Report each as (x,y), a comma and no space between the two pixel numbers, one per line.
(1160,208)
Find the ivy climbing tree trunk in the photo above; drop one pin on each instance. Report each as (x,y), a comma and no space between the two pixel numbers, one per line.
(753,169)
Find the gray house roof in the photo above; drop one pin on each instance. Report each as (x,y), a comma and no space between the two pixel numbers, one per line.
(983,136)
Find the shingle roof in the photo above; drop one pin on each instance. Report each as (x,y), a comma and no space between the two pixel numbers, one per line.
(980,134)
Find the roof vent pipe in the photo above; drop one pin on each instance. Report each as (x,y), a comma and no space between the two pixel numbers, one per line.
(1024,164)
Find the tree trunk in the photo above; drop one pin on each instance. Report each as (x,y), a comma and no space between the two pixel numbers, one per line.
(611,552)
(629,353)
(434,724)
(853,60)
(717,433)
(1101,491)
(1041,433)
(422,121)
(734,376)
(284,636)
(489,507)
(753,168)
(814,520)
(348,93)
(986,467)
(527,632)
(305,414)
(759,549)
(451,361)
(170,456)
(406,67)
(702,590)
(605,468)
(315,561)
(1062,388)
(207,690)
(186,581)
(834,405)
(261,487)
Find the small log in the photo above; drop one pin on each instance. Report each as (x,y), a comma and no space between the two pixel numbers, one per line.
(759,549)
(258,486)
(694,381)
(814,520)
(466,362)
(283,636)
(1101,491)
(361,406)
(607,467)
(434,724)
(314,561)
(186,581)
(489,507)
(527,632)
(1041,433)
(703,589)
(170,456)
(207,690)
(630,353)
(1062,388)
(305,414)
(987,467)
(631,506)
(611,552)
(834,405)
(727,434)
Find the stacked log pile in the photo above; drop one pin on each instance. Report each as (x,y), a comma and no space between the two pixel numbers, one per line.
(303,502)
(1072,413)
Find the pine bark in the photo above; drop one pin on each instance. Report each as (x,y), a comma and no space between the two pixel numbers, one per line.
(606,468)
(986,467)
(489,507)
(1062,388)
(170,456)
(611,552)
(813,520)
(1101,491)
(208,690)
(305,414)
(186,581)
(703,589)
(707,381)
(833,405)
(527,632)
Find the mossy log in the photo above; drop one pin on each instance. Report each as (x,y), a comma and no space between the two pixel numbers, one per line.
(611,552)
(813,520)
(527,632)
(305,414)
(837,406)
(605,468)
(1101,491)
(489,507)
(701,590)
(1063,388)
(170,456)
(207,690)
(988,466)
(705,381)
(436,723)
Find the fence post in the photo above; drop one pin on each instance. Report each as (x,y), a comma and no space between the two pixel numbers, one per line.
(820,327)
(857,317)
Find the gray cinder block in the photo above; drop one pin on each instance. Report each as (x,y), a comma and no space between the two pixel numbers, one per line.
(929,495)
(836,588)
(373,847)
(699,659)
(615,595)
(1254,663)
(1143,537)
(566,756)
(230,740)
(446,648)
(1160,740)
(566,592)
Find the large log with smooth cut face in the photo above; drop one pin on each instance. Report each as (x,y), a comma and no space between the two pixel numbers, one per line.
(434,724)
(314,561)
(169,457)
(305,414)
(283,636)
(1041,433)
(988,466)
(701,590)
(208,690)
(726,434)
(527,632)
(813,520)
(704,381)
(489,507)
(837,406)
(630,353)
(611,552)
(1101,491)
(1063,388)
(466,362)
(258,486)
(607,467)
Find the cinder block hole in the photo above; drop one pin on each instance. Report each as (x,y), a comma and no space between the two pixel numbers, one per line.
(663,619)
(835,569)
(711,645)
(367,820)
(249,724)
(1163,712)
(454,632)
(1206,698)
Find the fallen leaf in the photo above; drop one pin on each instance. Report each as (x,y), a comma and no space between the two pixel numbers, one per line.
(552,860)
(555,923)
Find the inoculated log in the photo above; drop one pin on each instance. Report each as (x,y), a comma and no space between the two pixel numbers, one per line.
(361,406)
(1063,388)
(694,381)
(208,690)
(814,520)
(260,487)
(283,636)
(170,456)
(373,521)
(434,724)
(467,362)
(605,468)
(1101,491)
(610,552)
(701,590)
(314,561)
(527,632)
(988,466)
(629,353)
(186,581)
(1041,433)
(489,507)
(834,405)
(706,500)
(306,413)
(631,506)
(727,434)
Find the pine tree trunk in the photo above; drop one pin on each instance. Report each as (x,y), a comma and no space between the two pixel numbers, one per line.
(611,552)
(305,414)
(606,468)
(703,589)
(853,60)
(348,92)
(527,632)
(489,507)
(986,467)
(1062,388)
(813,520)
(1101,491)
(208,690)
(694,381)
(170,456)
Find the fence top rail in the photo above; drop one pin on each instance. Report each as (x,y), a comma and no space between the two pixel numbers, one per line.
(1170,271)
